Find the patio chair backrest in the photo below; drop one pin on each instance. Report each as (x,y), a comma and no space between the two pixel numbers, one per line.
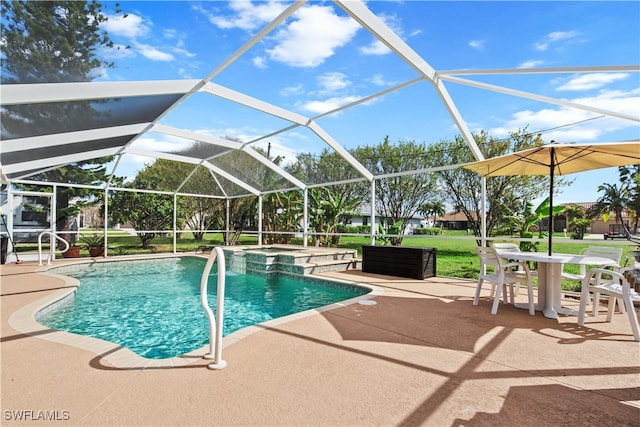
(488,258)
(600,251)
(605,252)
(506,247)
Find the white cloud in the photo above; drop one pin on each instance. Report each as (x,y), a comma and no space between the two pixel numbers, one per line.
(278,142)
(153,53)
(532,63)
(313,34)
(184,73)
(588,130)
(131,27)
(625,102)
(259,62)
(332,82)
(182,52)
(118,51)
(375,48)
(541,46)
(170,33)
(167,144)
(297,89)
(592,81)
(134,28)
(320,107)
(312,37)
(247,15)
(562,35)
(379,80)
(554,37)
(179,47)
(477,44)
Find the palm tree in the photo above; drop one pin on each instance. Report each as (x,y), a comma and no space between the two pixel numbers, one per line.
(614,200)
(432,208)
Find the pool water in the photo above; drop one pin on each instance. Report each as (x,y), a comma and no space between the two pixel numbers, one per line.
(153,307)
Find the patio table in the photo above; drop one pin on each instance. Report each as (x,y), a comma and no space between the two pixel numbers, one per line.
(550,276)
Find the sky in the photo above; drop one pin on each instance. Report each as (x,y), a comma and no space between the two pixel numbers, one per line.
(320,59)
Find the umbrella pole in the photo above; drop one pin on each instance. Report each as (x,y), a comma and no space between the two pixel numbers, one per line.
(553,166)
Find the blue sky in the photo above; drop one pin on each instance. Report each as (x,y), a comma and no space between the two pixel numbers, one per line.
(321,59)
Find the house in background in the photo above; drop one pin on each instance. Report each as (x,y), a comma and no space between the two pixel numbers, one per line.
(458,221)
(597,226)
(453,221)
(364,218)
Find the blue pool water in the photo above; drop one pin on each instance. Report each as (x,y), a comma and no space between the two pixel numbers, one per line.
(153,307)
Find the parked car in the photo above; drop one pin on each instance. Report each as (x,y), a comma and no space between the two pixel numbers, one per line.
(615,235)
(619,231)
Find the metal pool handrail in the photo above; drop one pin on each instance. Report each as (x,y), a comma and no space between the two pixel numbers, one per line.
(51,246)
(214,336)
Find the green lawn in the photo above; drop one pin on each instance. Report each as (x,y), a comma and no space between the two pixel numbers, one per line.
(456,256)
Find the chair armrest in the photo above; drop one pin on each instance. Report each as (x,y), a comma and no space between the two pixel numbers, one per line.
(522,264)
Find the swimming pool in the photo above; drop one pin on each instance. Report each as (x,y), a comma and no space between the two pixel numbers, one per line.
(152,307)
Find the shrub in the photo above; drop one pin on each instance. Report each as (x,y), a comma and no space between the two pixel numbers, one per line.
(430,231)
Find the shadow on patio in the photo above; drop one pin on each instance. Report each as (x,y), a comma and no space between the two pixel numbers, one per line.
(422,355)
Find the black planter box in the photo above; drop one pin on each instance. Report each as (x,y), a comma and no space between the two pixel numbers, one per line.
(402,261)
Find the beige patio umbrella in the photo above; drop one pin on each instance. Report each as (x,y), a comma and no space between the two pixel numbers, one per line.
(559,159)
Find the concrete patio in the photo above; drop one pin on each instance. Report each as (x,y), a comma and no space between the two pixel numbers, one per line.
(423,355)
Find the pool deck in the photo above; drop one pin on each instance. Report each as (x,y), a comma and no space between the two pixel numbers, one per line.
(423,355)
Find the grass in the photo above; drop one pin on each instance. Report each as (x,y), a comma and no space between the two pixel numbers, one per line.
(456,256)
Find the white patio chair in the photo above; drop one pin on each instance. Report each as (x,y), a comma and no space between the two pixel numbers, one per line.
(493,270)
(600,251)
(616,288)
(512,247)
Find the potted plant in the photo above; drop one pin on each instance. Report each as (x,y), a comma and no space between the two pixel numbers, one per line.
(72,252)
(94,243)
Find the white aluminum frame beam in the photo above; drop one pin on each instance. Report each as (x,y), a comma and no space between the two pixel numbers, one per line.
(64,92)
(57,161)
(59,139)
(193,161)
(541,98)
(544,70)
(284,114)
(228,144)
(359,12)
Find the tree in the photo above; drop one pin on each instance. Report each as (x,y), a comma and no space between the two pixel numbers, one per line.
(328,168)
(281,211)
(327,210)
(434,208)
(630,175)
(532,218)
(576,221)
(52,42)
(148,212)
(506,195)
(613,201)
(199,213)
(398,198)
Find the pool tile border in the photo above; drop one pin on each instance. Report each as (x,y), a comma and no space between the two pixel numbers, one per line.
(24,321)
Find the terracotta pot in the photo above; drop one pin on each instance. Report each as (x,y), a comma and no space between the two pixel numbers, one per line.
(72,252)
(96,251)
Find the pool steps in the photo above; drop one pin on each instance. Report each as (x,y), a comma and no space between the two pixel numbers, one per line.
(298,262)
